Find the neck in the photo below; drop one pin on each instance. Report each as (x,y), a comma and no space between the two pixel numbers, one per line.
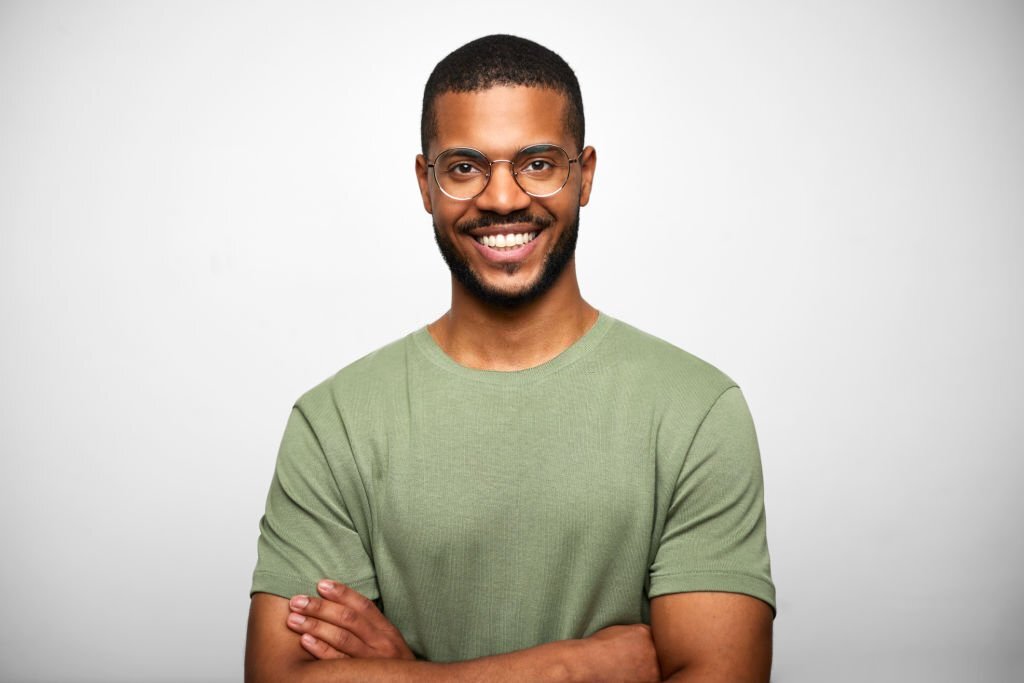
(484,337)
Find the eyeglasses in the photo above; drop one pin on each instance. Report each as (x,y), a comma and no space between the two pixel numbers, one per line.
(462,173)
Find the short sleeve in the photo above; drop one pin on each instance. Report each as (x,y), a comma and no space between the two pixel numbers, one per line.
(714,537)
(314,526)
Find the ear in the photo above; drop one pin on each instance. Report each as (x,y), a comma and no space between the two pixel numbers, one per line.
(588,163)
(423,178)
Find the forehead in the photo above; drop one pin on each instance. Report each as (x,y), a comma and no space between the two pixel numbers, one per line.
(501,120)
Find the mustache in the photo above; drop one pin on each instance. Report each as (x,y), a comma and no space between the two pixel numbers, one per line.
(515,218)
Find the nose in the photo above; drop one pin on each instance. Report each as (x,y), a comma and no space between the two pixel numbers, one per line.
(502,194)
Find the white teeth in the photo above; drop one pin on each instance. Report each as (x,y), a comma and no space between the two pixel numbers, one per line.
(508,241)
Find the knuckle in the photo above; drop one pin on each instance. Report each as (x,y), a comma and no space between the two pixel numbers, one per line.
(346,616)
(385,646)
(361,603)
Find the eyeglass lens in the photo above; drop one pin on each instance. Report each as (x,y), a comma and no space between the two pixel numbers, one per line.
(540,170)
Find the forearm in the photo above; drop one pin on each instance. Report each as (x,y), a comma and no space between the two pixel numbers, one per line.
(555,662)
(275,653)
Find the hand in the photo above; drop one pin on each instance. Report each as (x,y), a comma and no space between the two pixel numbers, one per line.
(622,653)
(344,624)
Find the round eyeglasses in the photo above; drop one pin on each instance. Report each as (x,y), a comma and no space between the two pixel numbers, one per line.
(462,173)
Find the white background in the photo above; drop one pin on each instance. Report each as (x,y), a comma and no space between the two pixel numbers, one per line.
(207,208)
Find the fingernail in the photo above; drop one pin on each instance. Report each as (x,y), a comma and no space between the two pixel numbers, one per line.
(300,601)
(325,585)
(308,639)
(295,618)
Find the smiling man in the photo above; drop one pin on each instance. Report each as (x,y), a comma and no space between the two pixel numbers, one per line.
(525,489)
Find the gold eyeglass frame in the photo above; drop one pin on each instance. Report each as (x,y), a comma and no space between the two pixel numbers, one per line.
(512,168)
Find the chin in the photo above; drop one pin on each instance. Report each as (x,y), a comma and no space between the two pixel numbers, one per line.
(553,265)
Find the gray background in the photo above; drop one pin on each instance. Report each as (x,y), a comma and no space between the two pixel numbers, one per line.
(207,208)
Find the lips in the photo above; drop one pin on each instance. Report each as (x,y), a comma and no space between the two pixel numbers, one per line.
(504,246)
(506,240)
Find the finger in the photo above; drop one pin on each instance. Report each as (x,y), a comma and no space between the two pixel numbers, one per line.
(319,648)
(383,636)
(341,640)
(364,607)
(349,615)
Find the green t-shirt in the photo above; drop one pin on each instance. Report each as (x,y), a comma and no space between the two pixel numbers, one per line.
(492,511)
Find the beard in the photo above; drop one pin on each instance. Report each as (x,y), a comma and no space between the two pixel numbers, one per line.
(552,268)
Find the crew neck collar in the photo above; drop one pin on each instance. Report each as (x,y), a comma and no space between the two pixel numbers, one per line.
(578,349)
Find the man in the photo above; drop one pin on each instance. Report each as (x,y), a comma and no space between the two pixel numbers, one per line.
(526,489)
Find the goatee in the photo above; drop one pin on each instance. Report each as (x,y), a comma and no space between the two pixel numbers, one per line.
(553,267)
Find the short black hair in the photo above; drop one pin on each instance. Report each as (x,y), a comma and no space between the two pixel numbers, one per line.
(502,60)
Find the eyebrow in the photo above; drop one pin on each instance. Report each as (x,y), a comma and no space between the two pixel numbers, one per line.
(468,152)
(533,149)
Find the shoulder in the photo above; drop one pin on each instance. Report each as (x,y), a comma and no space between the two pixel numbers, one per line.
(360,385)
(663,366)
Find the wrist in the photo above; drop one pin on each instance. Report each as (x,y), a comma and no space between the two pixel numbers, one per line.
(574,662)
(560,661)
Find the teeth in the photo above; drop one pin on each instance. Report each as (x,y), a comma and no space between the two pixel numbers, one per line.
(508,241)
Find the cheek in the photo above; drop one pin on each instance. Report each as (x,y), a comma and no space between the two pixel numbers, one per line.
(446,216)
(557,207)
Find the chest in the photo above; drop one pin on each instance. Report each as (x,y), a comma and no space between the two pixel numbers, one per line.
(514,483)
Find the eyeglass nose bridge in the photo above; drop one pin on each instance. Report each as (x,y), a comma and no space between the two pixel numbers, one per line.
(511,169)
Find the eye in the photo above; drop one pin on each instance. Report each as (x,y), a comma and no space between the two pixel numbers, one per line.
(462,168)
(536,166)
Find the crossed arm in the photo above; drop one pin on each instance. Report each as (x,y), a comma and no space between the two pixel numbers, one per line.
(706,637)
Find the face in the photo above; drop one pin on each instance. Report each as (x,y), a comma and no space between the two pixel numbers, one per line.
(499,122)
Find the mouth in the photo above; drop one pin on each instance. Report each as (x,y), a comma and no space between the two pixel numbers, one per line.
(506,241)
(503,247)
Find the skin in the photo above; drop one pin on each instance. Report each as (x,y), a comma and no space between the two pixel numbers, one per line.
(337,654)
(339,635)
(500,121)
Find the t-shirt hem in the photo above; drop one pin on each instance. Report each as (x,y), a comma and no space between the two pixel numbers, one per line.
(717,581)
(287,586)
